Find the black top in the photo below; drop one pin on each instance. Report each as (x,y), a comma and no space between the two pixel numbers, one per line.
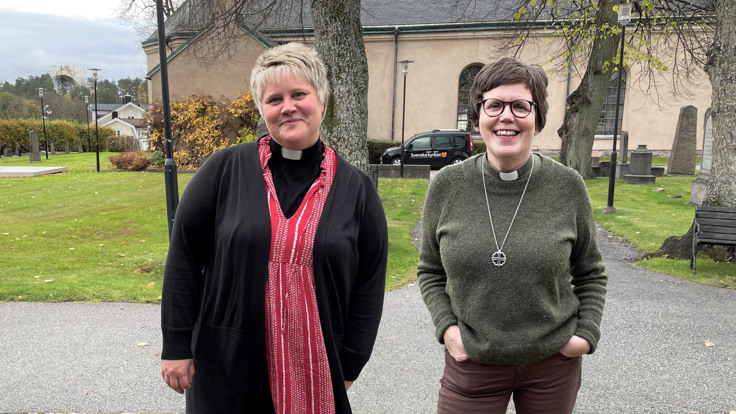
(214,291)
(292,178)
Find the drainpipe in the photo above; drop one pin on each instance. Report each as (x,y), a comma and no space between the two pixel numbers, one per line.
(396,59)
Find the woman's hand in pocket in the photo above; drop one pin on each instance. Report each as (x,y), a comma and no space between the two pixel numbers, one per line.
(575,347)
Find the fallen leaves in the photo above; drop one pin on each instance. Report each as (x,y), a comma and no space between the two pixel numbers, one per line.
(708,344)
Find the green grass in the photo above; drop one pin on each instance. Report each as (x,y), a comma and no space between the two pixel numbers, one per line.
(85,162)
(83,236)
(645,218)
(402,201)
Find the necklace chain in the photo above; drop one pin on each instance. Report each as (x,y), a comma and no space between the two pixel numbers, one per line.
(499,257)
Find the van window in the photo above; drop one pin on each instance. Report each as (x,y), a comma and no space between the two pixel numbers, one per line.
(442,142)
(421,143)
(460,142)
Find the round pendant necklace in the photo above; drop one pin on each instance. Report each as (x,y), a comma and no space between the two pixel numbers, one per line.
(499,257)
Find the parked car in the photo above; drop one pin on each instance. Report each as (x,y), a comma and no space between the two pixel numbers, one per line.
(435,148)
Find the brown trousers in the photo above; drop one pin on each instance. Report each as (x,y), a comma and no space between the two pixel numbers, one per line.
(549,386)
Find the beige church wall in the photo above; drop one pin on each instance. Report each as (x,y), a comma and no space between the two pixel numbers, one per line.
(222,77)
(432,86)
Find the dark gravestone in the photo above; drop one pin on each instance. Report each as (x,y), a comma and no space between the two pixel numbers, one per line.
(640,168)
(79,147)
(700,185)
(684,148)
(34,156)
(52,148)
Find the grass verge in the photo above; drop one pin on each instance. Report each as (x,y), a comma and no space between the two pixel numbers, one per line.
(647,215)
(83,236)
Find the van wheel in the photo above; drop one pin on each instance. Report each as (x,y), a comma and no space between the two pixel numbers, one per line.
(457,160)
(396,161)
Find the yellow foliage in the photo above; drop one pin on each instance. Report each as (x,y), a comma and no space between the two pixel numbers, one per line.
(200,126)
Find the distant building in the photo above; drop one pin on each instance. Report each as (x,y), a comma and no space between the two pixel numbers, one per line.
(126,119)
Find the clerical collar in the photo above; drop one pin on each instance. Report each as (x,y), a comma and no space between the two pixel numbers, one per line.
(296,155)
(510,175)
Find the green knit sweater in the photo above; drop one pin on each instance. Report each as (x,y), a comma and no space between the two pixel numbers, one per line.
(553,285)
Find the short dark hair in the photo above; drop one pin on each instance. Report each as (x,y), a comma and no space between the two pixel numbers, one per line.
(507,71)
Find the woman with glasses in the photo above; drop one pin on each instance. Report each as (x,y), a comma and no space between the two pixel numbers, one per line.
(510,268)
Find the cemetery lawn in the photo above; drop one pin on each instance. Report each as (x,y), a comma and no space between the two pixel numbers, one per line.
(645,218)
(83,236)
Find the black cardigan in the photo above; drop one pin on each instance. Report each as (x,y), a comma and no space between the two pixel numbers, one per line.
(213,302)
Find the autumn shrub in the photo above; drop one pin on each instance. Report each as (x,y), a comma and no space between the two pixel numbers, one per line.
(200,126)
(131,161)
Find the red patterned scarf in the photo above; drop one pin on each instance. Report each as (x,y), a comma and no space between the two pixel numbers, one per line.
(299,372)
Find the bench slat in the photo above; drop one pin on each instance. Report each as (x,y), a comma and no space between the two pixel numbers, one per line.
(717,241)
(728,225)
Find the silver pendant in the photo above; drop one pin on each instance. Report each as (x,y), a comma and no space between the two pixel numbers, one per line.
(499,258)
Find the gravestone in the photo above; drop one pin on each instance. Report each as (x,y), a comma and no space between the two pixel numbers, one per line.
(52,148)
(8,152)
(34,156)
(622,164)
(700,185)
(17,149)
(66,148)
(640,168)
(684,148)
(79,147)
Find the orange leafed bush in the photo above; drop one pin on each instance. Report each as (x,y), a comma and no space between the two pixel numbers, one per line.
(200,126)
(131,161)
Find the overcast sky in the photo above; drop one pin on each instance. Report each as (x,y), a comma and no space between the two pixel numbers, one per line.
(38,34)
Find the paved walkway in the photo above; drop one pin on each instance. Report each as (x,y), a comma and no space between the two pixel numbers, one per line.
(93,357)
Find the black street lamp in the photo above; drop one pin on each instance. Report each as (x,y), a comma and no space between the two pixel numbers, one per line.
(97,131)
(624,18)
(404,70)
(170,174)
(86,110)
(43,119)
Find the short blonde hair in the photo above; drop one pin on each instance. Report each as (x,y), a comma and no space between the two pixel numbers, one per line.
(291,58)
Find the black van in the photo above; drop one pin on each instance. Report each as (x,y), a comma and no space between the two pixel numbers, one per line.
(436,148)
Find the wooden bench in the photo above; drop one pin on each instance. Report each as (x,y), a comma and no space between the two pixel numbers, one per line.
(713,225)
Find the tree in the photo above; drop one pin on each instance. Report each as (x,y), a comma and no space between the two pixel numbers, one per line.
(141,15)
(668,35)
(338,39)
(338,36)
(12,106)
(721,68)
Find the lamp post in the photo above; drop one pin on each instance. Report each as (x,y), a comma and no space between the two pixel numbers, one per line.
(404,70)
(170,175)
(624,18)
(86,110)
(43,119)
(97,131)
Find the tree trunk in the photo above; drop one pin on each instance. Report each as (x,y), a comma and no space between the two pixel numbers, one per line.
(338,38)
(585,103)
(721,68)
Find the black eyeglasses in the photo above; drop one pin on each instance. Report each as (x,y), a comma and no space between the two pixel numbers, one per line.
(520,108)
